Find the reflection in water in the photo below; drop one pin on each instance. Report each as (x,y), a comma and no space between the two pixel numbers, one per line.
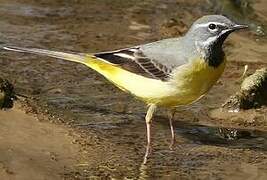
(223,136)
(234,134)
(143,172)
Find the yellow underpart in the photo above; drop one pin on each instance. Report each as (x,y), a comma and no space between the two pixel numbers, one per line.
(195,79)
(189,82)
(140,86)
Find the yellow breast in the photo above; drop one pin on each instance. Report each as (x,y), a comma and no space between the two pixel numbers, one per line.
(195,79)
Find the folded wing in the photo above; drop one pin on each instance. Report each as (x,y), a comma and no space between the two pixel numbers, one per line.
(134,60)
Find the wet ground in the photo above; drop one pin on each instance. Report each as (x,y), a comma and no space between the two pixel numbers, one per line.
(106,126)
(29,149)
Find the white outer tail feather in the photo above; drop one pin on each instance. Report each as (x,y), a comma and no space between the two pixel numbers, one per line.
(80,58)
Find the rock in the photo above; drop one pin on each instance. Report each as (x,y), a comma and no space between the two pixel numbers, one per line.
(7,94)
(252,94)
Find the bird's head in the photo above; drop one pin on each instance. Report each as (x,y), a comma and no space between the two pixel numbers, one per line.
(209,32)
(213,29)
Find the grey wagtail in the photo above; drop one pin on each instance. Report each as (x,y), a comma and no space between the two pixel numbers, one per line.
(166,73)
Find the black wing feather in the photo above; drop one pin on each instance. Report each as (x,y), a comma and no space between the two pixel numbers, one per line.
(135,61)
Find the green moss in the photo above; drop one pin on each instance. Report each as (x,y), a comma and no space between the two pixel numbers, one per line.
(252,94)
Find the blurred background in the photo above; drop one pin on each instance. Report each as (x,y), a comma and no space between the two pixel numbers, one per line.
(107,124)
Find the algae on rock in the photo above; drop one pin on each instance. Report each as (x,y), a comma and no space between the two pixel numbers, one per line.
(7,94)
(252,94)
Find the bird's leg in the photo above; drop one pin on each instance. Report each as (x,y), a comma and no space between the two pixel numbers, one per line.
(171,115)
(149,115)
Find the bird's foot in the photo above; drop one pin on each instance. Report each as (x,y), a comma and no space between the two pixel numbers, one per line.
(147,154)
(172,144)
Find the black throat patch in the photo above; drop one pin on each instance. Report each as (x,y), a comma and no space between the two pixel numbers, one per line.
(214,56)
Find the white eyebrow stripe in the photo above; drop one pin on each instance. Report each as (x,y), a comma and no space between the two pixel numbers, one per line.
(207,24)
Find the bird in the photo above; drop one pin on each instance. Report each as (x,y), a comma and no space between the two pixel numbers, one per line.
(166,73)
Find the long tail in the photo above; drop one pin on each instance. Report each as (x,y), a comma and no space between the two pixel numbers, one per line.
(80,58)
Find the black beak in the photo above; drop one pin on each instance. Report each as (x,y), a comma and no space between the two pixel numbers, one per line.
(239,26)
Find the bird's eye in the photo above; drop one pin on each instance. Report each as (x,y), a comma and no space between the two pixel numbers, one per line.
(212,26)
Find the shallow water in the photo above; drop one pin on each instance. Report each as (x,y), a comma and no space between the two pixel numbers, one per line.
(111,121)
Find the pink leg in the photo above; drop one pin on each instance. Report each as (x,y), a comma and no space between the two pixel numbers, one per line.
(148,146)
(171,115)
(149,116)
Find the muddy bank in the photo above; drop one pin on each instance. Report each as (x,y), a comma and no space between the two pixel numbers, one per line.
(31,149)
